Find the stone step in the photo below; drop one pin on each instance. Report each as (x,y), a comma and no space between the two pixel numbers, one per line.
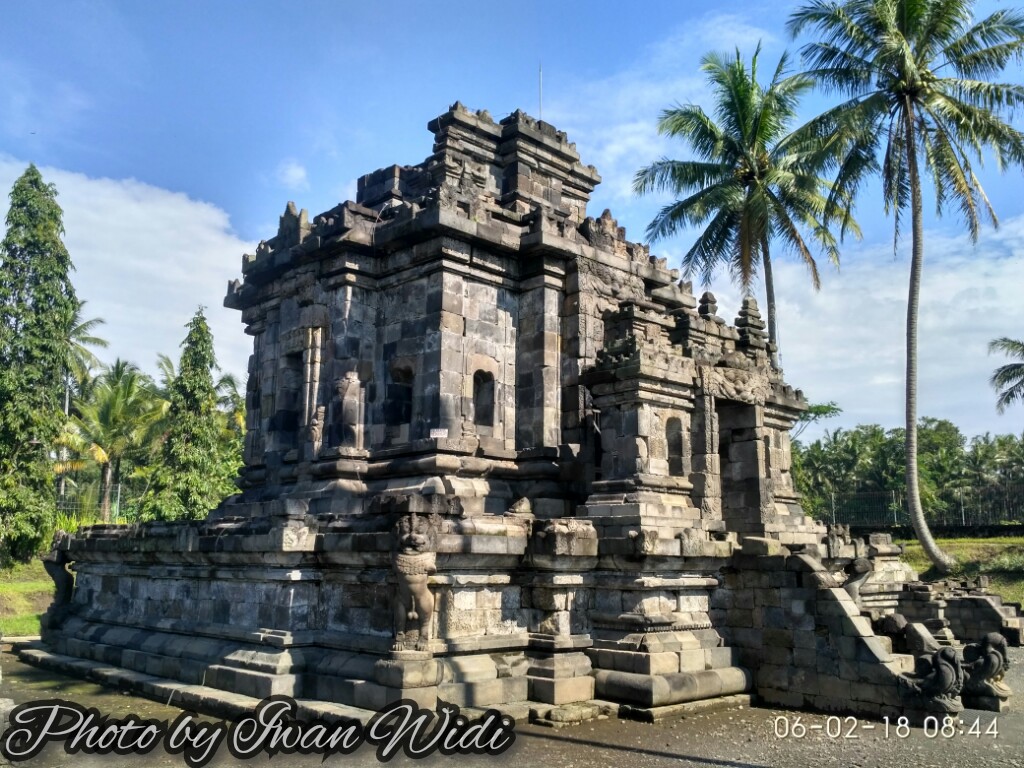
(570,715)
(653,691)
(654,714)
(651,663)
(485,693)
(255,684)
(198,698)
(250,671)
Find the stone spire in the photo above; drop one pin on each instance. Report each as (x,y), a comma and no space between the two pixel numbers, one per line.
(751,326)
(708,308)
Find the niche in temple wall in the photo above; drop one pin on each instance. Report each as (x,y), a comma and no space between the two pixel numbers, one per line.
(669,443)
(299,402)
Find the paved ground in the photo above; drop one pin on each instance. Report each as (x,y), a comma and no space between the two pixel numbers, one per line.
(739,738)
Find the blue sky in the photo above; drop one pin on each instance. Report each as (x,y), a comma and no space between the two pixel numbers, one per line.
(177,131)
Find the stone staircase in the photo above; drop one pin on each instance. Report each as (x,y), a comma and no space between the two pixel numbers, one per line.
(1013,623)
(973,615)
(652,671)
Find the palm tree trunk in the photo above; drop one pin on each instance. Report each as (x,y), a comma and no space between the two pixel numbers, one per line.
(105,481)
(769,289)
(62,481)
(943,562)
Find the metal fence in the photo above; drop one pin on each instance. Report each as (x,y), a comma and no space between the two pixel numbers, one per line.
(960,507)
(84,508)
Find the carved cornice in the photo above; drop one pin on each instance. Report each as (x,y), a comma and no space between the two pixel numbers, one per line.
(744,386)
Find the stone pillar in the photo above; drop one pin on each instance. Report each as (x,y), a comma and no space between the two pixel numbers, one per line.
(252,453)
(707,472)
(446,309)
(561,597)
(538,364)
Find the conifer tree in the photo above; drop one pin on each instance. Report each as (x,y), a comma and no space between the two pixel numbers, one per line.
(194,475)
(37,307)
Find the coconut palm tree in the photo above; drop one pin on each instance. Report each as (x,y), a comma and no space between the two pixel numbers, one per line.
(81,360)
(918,103)
(78,373)
(1011,459)
(1009,378)
(753,182)
(116,422)
(981,461)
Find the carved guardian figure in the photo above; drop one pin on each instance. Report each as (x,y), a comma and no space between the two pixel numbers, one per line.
(413,560)
(986,664)
(936,683)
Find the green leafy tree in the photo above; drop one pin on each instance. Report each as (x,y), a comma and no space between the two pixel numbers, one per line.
(231,404)
(1011,459)
(753,182)
(815,412)
(195,472)
(981,462)
(915,74)
(1008,379)
(853,467)
(37,305)
(812,473)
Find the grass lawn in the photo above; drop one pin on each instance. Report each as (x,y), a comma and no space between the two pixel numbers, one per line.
(25,593)
(1001,559)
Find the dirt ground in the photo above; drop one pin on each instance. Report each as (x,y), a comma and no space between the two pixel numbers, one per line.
(737,738)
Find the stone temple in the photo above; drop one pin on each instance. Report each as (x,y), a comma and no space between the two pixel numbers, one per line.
(499,455)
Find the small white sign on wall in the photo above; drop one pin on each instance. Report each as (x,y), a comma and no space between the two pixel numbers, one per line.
(438,433)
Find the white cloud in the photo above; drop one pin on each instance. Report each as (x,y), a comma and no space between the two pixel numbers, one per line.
(145,259)
(614,120)
(292,175)
(847,342)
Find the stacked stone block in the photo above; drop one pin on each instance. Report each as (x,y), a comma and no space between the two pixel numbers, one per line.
(805,637)
(971,617)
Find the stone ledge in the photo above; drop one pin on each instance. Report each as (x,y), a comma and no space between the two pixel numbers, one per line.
(651,691)
(197,698)
(654,714)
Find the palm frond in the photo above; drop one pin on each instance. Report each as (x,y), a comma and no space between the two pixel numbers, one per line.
(791,234)
(987,47)
(694,210)
(712,248)
(1007,346)
(690,122)
(678,177)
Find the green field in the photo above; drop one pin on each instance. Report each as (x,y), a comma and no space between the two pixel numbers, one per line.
(1001,559)
(26,590)
(25,593)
